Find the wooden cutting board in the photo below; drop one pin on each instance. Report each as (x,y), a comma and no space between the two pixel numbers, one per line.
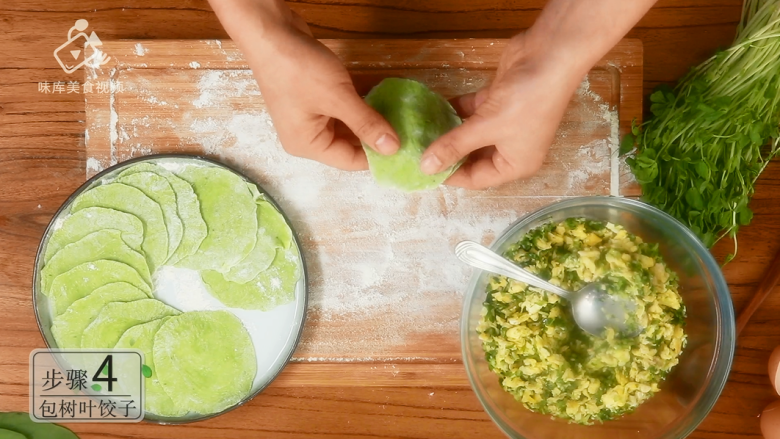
(385,286)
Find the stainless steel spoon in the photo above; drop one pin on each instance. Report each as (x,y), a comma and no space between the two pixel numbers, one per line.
(593,308)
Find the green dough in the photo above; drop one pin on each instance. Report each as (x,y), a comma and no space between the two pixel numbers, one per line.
(9,434)
(261,257)
(158,189)
(21,423)
(130,200)
(205,360)
(92,219)
(419,116)
(270,219)
(274,224)
(271,288)
(82,280)
(117,317)
(104,244)
(195,229)
(141,337)
(68,326)
(228,208)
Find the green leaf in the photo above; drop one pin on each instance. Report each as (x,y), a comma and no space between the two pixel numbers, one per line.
(96,387)
(708,239)
(744,216)
(657,109)
(146,371)
(635,128)
(725,219)
(649,154)
(757,133)
(627,144)
(694,198)
(658,96)
(703,170)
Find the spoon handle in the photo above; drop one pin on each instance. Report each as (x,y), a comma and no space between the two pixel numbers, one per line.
(481,257)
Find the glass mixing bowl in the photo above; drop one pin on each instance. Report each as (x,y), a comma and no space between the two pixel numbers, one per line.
(689,391)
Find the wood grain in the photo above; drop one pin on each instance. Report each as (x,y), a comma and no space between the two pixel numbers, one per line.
(765,288)
(42,161)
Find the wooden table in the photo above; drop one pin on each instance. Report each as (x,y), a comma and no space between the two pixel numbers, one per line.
(42,162)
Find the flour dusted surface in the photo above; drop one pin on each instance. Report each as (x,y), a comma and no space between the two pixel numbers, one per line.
(384,283)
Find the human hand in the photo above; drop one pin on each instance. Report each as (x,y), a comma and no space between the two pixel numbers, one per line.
(310,96)
(509,124)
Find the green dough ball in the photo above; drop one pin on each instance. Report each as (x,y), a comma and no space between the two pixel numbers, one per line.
(68,326)
(9,434)
(130,200)
(419,116)
(141,337)
(195,229)
(93,219)
(228,208)
(82,280)
(271,288)
(103,244)
(205,360)
(21,423)
(158,189)
(117,317)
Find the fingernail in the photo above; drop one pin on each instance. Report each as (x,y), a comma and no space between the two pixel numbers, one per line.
(387,144)
(430,165)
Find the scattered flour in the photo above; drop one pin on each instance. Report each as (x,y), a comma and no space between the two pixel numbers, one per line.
(375,255)
(94,165)
(195,65)
(379,262)
(140,50)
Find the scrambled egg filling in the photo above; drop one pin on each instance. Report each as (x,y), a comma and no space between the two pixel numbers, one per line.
(551,366)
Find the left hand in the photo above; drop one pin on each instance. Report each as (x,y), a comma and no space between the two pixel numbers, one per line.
(510,124)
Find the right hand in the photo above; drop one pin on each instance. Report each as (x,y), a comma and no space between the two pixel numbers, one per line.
(310,96)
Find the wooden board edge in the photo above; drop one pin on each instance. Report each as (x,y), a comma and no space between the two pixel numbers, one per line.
(363,374)
(476,53)
(631,107)
(98,107)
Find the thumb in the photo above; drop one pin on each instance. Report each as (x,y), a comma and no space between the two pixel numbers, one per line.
(368,125)
(456,144)
(467,104)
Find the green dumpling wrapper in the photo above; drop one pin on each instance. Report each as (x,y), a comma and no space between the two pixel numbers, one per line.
(131,200)
(229,210)
(262,256)
(141,337)
(68,326)
(205,360)
(104,244)
(92,219)
(273,287)
(188,206)
(82,280)
(419,116)
(117,317)
(160,191)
